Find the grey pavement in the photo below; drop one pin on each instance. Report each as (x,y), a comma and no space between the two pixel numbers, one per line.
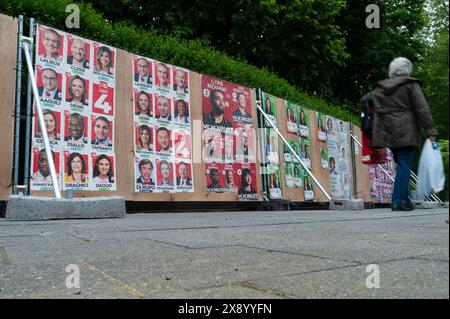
(267,254)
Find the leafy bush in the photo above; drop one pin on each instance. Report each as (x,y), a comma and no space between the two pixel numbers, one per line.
(188,54)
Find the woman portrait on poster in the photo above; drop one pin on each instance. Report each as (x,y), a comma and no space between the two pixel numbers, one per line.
(330,127)
(164,169)
(332,166)
(51,125)
(181,112)
(103,170)
(104,60)
(145,139)
(268,109)
(76,172)
(143,104)
(77,91)
(246,183)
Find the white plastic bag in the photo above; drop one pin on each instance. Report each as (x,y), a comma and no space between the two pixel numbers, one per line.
(431,177)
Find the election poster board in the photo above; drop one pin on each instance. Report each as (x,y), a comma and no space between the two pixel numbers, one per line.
(76,85)
(229,139)
(162,127)
(338,145)
(381,186)
(270,108)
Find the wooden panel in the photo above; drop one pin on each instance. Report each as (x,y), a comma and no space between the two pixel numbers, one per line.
(362,172)
(8,57)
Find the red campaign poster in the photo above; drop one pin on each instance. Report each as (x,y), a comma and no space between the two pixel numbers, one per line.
(230,179)
(163,139)
(214,177)
(78,52)
(142,71)
(104,59)
(76,127)
(102,168)
(181,111)
(76,167)
(144,137)
(229,148)
(164,173)
(162,76)
(213,146)
(217,99)
(103,98)
(180,80)
(50,43)
(41,167)
(245,140)
(77,90)
(183,173)
(241,108)
(246,181)
(49,80)
(143,105)
(101,130)
(163,107)
(52,121)
(182,144)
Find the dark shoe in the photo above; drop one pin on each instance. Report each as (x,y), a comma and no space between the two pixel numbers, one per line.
(410,204)
(403,206)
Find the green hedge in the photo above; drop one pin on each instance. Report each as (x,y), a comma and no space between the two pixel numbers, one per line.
(188,54)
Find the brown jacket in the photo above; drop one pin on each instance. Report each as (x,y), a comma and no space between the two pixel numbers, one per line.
(400,111)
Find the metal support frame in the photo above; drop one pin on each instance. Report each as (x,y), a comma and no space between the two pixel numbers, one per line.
(15,182)
(261,133)
(258,106)
(414,176)
(26,179)
(48,151)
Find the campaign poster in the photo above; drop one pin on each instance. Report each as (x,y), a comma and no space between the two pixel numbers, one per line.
(50,86)
(181,113)
(76,131)
(272,148)
(102,133)
(303,128)
(182,144)
(296,149)
(163,109)
(292,123)
(104,63)
(50,47)
(181,83)
(79,56)
(76,85)
(184,177)
(164,141)
(76,171)
(246,181)
(144,171)
(229,149)
(164,175)
(381,186)
(103,172)
(289,174)
(214,177)
(143,73)
(287,153)
(40,170)
(213,146)
(305,153)
(230,177)
(143,106)
(270,108)
(324,157)
(308,190)
(216,105)
(320,124)
(245,144)
(274,182)
(144,139)
(163,77)
(77,95)
(53,124)
(241,106)
(297,176)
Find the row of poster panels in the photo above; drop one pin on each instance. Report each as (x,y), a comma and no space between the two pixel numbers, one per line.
(76,86)
(229,139)
(162,127)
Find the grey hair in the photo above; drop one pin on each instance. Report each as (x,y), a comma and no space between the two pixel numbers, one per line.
(400,67)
